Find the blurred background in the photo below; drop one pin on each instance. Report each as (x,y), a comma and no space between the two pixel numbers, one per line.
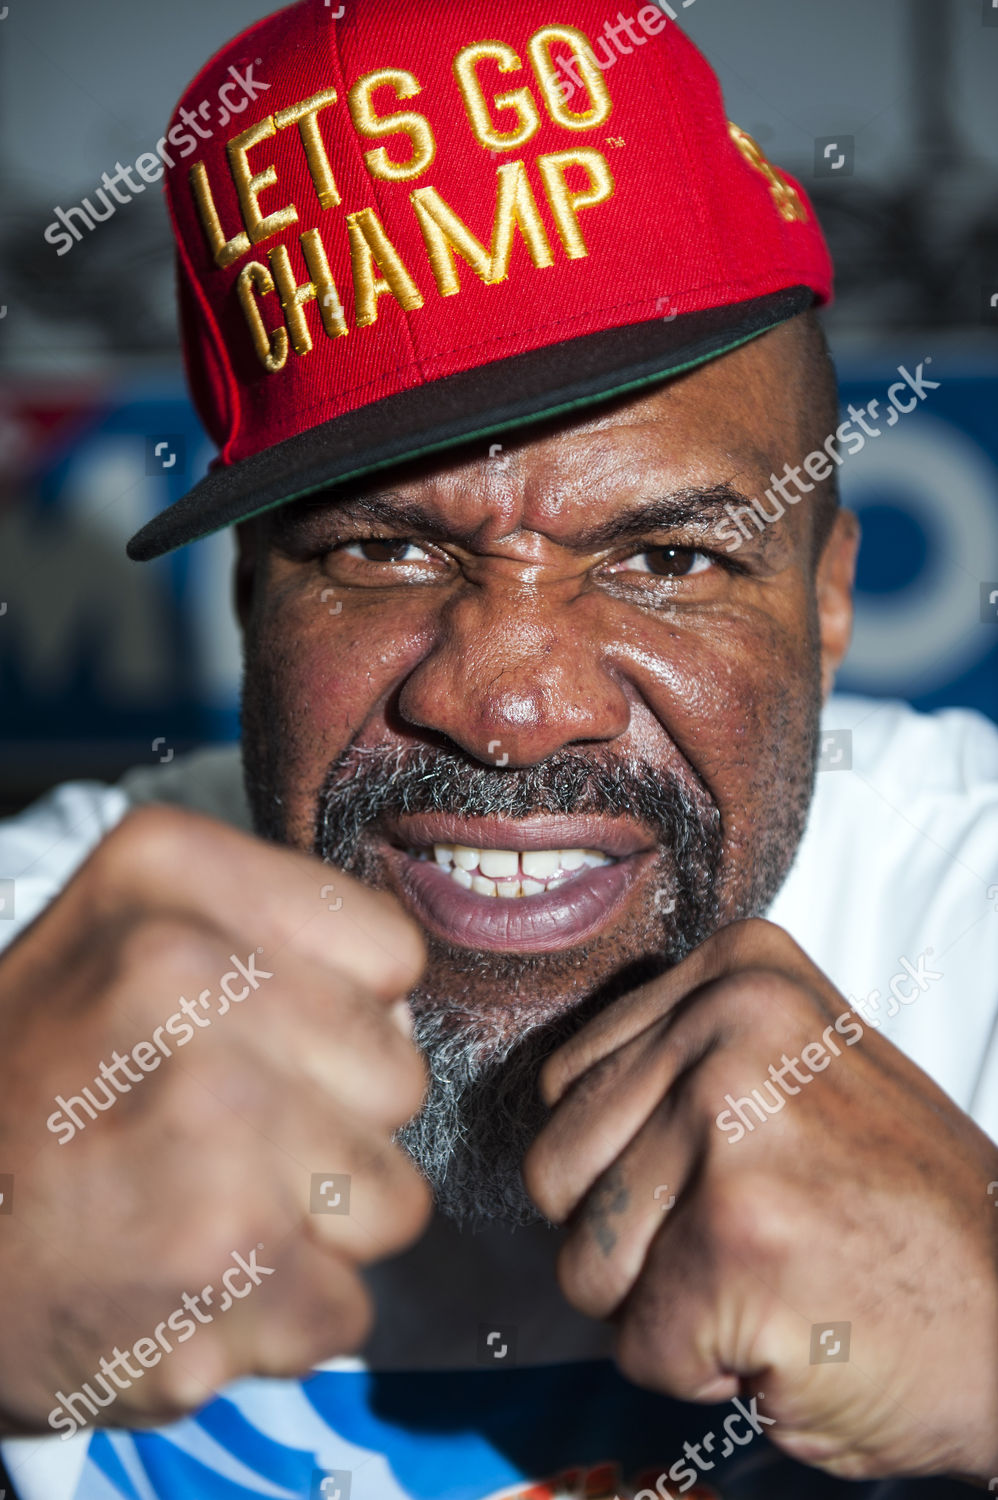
(888,114)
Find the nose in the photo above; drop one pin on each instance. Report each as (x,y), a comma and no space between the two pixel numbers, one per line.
(517,674)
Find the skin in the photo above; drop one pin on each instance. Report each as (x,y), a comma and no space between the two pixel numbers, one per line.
(864,1201)
(499,622)
(515,630)
(214,1151)
(507,629)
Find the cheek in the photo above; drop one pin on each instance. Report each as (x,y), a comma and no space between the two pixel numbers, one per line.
(737,695)
(330,666)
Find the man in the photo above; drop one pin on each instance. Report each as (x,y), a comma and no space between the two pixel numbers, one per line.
(504,339)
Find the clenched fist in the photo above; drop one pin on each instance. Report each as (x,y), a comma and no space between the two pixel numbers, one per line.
(814,1177)
(202,1044)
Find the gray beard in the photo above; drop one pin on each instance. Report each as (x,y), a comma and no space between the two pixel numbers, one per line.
(483,1109)
(481,1112)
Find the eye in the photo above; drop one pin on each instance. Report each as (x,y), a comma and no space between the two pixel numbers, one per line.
(666,562)
(386,549)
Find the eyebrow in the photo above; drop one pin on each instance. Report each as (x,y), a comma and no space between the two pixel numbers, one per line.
(691,508)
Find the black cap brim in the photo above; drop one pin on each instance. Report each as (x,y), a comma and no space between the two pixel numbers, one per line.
(458,409)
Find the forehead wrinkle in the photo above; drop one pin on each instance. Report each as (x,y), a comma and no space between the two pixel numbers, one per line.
(551,504)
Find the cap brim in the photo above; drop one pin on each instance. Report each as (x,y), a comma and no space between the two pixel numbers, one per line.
(460,408)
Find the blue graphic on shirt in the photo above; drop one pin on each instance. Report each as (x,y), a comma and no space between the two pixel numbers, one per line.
(556,1432)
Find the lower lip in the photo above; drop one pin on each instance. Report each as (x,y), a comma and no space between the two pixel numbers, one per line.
(570,914)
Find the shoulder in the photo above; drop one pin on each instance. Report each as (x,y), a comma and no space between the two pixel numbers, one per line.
(208,781)
(894,786)
(953,752)
(43,846)
(910,794)
(899,861)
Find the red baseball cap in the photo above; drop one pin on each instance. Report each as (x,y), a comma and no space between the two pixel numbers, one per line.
(402,226)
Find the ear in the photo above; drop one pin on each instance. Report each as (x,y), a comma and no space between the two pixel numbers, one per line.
(248,564)
(834,585)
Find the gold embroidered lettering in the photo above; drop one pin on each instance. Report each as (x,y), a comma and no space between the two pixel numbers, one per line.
(249,184)
(786,198)
(487,133)
(565,205)
(445,233)
(370,247)
(271,348)
(414,125)
(322,288)
(224,251)
(589,71)
(305,115)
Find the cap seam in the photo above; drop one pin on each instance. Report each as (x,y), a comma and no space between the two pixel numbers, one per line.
(657,61)
(376,193)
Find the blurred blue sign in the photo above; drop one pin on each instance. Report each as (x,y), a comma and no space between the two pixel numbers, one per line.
(926,492)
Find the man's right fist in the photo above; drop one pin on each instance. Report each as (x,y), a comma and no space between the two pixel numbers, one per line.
(204,1042)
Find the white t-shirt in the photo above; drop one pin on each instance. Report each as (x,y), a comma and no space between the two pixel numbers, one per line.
(894,893)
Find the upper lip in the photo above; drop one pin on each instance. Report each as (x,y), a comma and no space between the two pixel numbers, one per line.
(544,831)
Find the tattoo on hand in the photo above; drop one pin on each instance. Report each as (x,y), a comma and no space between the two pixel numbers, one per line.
(608,1197)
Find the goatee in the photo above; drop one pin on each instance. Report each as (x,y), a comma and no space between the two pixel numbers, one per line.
(489,1020)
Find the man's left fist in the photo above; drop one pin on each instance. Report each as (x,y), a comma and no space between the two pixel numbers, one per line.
(819,1178)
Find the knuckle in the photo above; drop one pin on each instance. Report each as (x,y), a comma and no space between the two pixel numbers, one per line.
(148,839)
(592,1284)
(164,945)
(763,996)
(401,948)
(551,1078)
(541,1179)
(415,1204)
(758,941)
(354,1320)
(390,1207)
(213,1099)
(369,1060)
(183,1385)
(407,1195)
(751,1216)
(342,1322)
(544,1175)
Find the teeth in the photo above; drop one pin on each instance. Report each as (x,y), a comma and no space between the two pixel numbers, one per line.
(509,873)
(540,863)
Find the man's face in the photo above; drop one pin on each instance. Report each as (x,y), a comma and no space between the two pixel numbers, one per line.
(534,695)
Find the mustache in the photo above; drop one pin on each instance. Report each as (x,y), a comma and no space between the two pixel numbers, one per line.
(367,784)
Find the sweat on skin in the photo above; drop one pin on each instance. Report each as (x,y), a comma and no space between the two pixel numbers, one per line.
(574,603)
